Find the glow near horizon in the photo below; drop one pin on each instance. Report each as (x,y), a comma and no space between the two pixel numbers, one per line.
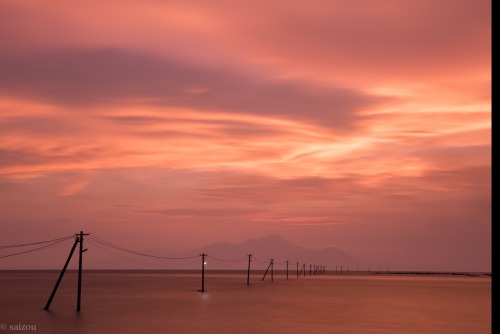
(328,110)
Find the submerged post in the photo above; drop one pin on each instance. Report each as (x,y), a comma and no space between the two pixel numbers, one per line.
(79,298)
(272,270)
(203,271)
(267,270)
(46,308)
(297,270)
(287,269)
(248,272)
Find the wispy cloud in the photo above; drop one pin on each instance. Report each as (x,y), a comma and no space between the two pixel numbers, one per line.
(360,124)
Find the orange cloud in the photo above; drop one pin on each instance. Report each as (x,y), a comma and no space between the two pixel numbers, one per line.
(359,124)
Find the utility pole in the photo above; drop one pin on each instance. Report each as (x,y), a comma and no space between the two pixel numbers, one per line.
(286,269)
(270,266)
(248,272)
(80,271)
(46,308)
(78,239)
(203,262)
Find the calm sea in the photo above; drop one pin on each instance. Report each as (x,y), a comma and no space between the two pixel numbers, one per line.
(156,302)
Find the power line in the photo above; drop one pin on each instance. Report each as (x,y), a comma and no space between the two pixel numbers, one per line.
(221,263)
(36,243)
(108,246)
(260,261)
(115,253)
(123,249)
(223,260)
(35,249)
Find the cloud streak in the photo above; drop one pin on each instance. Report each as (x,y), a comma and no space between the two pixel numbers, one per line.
(85,78)
(360,125)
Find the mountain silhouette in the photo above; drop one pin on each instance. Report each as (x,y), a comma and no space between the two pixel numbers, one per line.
(230,255)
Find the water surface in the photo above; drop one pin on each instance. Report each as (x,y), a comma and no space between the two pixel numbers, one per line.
(142,302)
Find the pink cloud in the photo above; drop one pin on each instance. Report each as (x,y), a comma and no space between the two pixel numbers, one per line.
(361,125)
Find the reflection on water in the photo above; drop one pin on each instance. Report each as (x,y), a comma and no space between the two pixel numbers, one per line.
(118,302)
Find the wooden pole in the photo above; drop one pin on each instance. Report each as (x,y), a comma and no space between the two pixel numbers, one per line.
(46,308)
(203,272)
(248,272)
(269,266)
(272,270)
(79,297)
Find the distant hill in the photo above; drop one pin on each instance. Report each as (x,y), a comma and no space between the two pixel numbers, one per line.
(223,255)
(234,256)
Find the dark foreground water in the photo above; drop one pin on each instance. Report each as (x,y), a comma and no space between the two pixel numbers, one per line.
(120,303)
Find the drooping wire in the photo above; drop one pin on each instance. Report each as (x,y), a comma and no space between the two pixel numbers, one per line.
(226,263)
(223,260)
(123,249)
(37,243)
(188,263)
(260,261)
(108,250)
(107,246)
(183,264)
(38,248)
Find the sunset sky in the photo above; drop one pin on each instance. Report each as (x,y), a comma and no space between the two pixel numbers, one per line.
(169,125)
